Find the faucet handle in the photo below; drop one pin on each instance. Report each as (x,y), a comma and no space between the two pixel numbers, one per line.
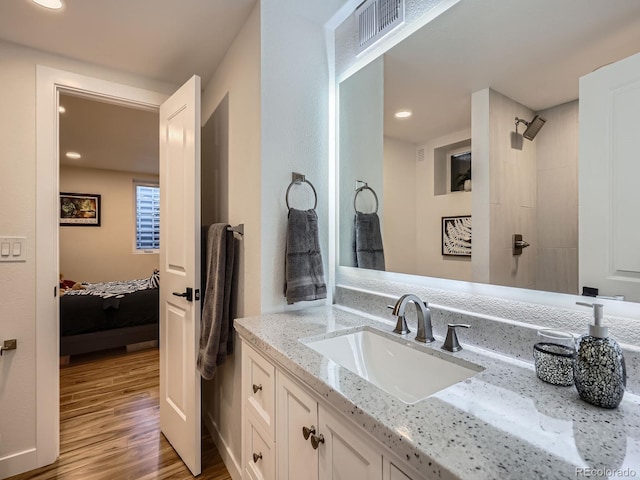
(451,343)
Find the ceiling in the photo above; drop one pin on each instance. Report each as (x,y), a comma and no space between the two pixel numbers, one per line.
(165,40)
(532,52)
(108,136)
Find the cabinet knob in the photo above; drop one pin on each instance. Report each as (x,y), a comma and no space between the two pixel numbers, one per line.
(308,431)
(256,388)
(256,457)
(316,440)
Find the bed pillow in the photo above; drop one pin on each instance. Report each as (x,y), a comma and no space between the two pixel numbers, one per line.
(154,279)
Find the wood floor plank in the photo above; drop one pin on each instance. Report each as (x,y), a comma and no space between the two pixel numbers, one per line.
(110,424)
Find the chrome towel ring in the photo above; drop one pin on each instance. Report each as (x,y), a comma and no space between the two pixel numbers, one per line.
(360,189)
(297,179)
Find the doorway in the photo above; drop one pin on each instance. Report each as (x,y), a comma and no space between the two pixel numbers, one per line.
(50,83)
(179,257)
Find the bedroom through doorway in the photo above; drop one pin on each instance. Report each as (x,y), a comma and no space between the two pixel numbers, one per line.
(109,226)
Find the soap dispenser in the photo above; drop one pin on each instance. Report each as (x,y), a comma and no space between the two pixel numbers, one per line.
(599,372)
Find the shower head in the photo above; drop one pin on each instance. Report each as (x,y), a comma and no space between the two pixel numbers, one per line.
(533,127)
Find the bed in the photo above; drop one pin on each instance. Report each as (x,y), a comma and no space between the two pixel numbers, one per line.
(108,315)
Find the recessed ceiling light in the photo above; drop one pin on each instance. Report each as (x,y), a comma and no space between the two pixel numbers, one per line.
(52,4)
(61,109)
(73,155)
(403,114)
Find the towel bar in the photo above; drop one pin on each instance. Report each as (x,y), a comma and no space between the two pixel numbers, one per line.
(239,229)
(297,179)
(360,189)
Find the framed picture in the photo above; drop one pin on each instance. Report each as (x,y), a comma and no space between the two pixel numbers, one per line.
(79,209)
(456,236)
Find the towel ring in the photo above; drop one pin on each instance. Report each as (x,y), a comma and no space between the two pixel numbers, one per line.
(358,190)
(297,180)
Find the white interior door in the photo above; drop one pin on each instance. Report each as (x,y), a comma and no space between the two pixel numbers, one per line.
(180,271)
(608,177)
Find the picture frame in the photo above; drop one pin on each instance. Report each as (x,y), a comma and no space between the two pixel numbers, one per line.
(456,236)
(79,209)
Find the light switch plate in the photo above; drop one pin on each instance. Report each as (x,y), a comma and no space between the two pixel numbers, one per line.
(13,249)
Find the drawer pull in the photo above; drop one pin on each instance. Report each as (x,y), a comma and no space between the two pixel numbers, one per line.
(256,388)
(308,431)
(316,440)
(256,457)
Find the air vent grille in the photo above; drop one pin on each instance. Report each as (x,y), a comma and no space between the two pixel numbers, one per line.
(367,25)
(376,18)
(420,155)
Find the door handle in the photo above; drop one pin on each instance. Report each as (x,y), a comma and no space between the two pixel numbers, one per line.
(188,294)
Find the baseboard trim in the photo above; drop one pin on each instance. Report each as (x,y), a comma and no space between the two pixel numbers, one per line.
(19,463)
(225,452)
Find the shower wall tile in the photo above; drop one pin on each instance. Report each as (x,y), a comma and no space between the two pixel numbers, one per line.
(513,195)
(558,199)
(557,142)
(557,209)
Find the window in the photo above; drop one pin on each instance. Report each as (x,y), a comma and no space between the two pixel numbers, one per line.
(147,217)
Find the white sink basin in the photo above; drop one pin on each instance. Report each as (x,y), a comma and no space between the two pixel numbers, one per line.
(407,373)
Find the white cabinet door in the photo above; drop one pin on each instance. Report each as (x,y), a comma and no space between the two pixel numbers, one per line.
(296,457)
(180,271)
(344,455)
(396,474)
(608,177)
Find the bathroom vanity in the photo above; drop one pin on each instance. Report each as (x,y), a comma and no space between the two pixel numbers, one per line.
(306,416)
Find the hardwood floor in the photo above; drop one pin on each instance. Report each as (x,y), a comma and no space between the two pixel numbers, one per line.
(109,424)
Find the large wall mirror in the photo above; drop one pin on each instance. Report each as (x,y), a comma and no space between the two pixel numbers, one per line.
(466,134)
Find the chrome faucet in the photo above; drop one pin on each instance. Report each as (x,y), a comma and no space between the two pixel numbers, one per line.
(425,333)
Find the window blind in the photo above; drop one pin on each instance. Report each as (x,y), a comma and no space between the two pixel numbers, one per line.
(147,217)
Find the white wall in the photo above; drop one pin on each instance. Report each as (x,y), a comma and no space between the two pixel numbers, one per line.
(557,202)
(361,150)
(294,133)
(235,87)
(18,195)
(401,189)
(104,253)
(430,208)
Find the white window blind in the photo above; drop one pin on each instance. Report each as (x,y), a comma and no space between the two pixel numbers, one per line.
(147,217)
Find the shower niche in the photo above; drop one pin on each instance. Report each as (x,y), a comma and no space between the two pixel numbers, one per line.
(452,168)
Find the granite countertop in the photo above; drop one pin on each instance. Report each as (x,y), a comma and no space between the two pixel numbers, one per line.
(501,423)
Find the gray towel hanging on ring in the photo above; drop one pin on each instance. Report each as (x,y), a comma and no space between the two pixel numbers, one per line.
(368,248)
(304,273)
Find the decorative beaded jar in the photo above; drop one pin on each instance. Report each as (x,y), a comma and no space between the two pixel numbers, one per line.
(554,363)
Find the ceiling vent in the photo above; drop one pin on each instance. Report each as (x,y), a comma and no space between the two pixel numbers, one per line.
(376,18)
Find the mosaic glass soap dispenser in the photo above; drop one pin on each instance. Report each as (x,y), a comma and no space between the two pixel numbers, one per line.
(599,371)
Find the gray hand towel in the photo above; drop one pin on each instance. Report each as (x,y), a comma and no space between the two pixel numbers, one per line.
(304,274)
(368,241)
(216,328)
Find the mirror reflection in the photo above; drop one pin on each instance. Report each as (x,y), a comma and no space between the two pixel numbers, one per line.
(468,134)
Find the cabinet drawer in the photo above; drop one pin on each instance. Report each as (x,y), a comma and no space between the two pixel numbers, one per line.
(260,455)
(259,387)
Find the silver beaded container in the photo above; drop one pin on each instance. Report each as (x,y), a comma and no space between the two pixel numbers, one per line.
(554,363)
